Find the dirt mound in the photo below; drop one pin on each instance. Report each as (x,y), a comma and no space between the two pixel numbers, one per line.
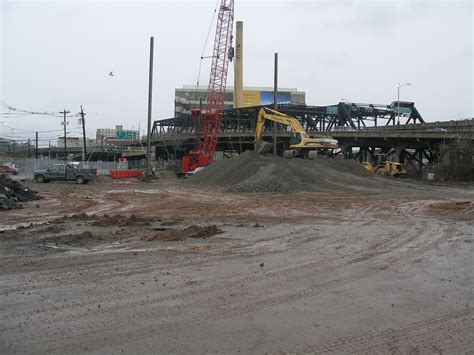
(191,232)
(120,221)
(78,240)
(106,220)
(461,209)
(252,172)
(12,193)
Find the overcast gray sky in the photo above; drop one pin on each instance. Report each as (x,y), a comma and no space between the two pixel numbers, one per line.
(58,54)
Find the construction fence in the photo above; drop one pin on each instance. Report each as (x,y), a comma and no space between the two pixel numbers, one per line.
(26,166)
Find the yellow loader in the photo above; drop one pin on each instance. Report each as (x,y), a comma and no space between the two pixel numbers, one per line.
(384,167)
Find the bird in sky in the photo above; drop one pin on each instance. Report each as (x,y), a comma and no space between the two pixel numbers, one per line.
(111,73)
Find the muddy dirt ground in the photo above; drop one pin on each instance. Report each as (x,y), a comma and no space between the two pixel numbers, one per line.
(165,267)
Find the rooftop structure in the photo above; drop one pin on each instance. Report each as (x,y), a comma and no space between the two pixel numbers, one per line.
(189,97)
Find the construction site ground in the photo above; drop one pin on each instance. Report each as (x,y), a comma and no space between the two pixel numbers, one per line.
(167,266)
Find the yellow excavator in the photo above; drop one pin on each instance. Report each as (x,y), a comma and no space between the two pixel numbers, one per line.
(301,144)
(382,166)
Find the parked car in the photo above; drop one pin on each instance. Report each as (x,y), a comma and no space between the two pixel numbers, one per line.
(66,172)
(8,168)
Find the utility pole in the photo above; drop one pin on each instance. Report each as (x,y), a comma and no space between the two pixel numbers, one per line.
(84,153)
(29,148)
(150,88)
(36,146)
(64,123)
(49,150)
(275,104)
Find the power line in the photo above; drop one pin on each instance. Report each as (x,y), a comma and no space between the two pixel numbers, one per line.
(42,138)
(52,133)
(28,112)
(31,131)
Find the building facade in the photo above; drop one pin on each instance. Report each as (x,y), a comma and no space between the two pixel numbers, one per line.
(189,97)
(116,135)
(75,142)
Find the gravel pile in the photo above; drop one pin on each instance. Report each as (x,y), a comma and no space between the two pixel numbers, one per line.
(12,193)
(252,172)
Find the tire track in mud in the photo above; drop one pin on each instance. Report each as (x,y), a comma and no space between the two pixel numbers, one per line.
(140,270)
(149,314)
(290,273)
(234,252)
(453,332)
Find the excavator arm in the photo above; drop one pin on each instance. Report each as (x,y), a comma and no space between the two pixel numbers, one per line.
(278,117)
(301,143)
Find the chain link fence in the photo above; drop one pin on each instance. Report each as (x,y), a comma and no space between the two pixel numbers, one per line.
(27,166)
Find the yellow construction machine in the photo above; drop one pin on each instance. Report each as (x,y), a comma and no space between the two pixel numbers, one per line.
(382,166)
(301,143)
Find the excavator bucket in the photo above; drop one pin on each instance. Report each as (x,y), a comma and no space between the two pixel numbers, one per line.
(262,147)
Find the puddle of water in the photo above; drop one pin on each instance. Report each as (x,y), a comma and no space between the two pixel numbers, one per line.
(139,191)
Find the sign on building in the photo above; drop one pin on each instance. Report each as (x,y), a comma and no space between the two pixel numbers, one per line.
(257,98)
(127,135)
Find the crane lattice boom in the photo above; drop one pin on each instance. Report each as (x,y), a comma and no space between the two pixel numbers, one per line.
(207,124)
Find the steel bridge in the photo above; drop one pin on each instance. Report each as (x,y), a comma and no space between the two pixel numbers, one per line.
(313,118)
(396,129)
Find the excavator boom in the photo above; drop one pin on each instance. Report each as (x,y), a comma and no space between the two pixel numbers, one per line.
(301,143)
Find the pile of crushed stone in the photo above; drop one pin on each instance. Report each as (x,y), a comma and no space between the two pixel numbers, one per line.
(253,172)
(12,193)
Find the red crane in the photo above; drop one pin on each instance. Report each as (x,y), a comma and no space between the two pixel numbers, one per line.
(207,124)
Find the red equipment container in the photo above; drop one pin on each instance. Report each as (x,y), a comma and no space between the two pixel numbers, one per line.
(124,174)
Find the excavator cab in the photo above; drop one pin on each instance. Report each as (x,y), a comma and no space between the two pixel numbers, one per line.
(295,138)
(379,159)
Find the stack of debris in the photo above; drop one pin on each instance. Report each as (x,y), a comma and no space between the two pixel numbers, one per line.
(252,172)
(12,193)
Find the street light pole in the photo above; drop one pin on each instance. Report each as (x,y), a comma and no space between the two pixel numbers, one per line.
(398,100)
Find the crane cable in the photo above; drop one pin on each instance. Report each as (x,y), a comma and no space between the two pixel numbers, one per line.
(204,49)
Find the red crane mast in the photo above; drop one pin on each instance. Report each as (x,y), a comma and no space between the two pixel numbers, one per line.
(207,124)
